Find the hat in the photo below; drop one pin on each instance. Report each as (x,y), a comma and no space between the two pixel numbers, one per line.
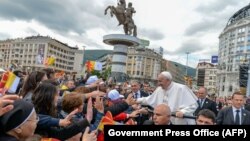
(17,116)
(113,95)
(91,79)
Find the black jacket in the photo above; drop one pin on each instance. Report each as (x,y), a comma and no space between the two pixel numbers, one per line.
(62,133)
(208,104)
(247,107)
(226,117)
(6,137)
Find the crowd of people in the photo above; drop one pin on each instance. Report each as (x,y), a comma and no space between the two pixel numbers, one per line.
(46,106)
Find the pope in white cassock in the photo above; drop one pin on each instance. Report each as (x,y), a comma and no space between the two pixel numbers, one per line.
(179,97)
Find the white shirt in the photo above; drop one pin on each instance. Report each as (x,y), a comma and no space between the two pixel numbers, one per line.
(234,112)
(138,94)
(178,97)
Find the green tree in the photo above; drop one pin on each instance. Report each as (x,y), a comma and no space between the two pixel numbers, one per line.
(97,73)
(105,74)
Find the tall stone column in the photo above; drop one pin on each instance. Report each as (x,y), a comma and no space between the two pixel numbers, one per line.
(121,43)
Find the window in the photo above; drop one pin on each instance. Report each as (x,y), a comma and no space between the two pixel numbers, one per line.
(248,48)
(241,30)
(138,72)
(240,48)
(129,72)
(230,88)
(241,39)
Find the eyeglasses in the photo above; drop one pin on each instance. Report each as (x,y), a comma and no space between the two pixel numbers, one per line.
(36,120)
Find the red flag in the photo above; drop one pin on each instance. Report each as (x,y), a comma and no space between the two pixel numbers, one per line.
(4,79)
(90,65)
(109,115)
(100,136)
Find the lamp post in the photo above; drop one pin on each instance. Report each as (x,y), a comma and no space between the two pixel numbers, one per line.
(187,63)
(83,60)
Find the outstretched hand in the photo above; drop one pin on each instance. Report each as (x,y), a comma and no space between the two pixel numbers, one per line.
(130,100)
(67,120)
(89,115)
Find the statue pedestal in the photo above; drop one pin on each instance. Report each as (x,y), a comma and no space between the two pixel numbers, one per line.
(121,43)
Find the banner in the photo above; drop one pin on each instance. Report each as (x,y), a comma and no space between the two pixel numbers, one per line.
(40,55)
(177,132)
(144,42)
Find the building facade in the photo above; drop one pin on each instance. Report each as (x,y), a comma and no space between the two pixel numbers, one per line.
(206,76)
(143,64)
(234,51)
(30,54)
(106,61)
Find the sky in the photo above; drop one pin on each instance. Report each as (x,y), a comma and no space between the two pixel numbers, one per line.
(179,26)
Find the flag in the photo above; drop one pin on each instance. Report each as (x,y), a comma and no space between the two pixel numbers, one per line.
(120,117)
(90,65)
(98,66)
(100,136)
(107,120)
(12,82)
(50,60)
(109,115)
(214,59)
(4,79)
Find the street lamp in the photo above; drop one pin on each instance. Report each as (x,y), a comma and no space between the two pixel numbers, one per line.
(187,63)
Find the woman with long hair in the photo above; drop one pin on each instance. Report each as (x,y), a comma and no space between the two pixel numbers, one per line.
(45,99)
(30,83)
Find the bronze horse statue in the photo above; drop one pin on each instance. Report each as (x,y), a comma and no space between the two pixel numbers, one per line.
(120,13)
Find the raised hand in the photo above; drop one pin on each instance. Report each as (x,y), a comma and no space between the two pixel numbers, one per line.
(6,103)
(99,104)
(130,100)
(89,136)
(89,114)
(67,120)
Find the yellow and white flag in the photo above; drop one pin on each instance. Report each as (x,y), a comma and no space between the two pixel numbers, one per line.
(12,83)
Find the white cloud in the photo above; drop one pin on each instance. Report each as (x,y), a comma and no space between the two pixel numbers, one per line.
(178,26)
